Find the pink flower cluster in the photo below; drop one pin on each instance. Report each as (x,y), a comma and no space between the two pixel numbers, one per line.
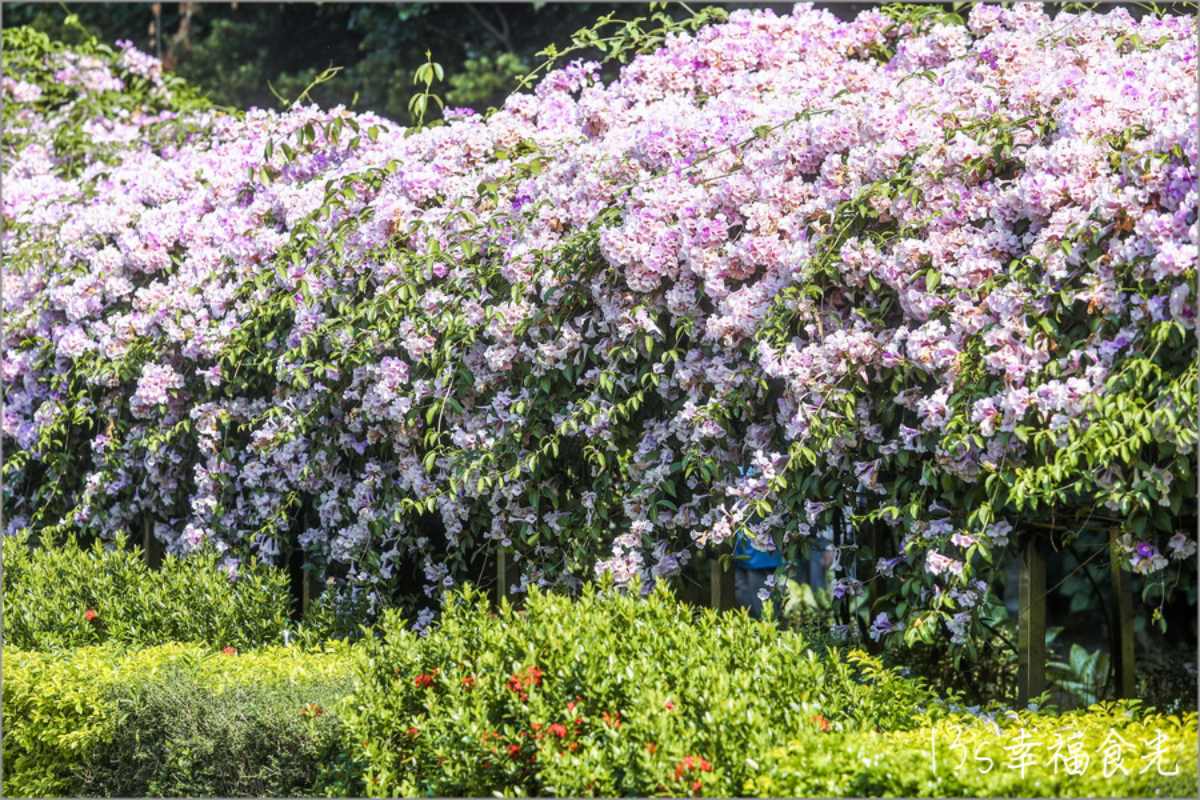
(563,327)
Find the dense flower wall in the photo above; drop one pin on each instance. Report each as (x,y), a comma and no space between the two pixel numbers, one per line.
(937,271)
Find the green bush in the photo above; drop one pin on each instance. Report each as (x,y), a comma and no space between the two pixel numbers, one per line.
(608,694)
(177,720)
(49,591)
(1064,756)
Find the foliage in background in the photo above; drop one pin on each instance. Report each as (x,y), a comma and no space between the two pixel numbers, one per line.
(248,56)
(64,597)
(484,77)
(176,720)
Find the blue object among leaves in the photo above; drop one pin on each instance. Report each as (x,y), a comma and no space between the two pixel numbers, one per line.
(745,554)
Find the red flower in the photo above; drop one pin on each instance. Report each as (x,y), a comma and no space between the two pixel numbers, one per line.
(229,651)
(651,747)
(696,786)
(424,680)
(669,706)
(537,726)
(468,681)
(570,705)
(688,763)
(90,615)
(413,731)
(821,722)
(558,729)
(518,682)
(514,750)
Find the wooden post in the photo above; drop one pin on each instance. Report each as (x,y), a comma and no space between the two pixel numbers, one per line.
(842,606)
(714,583)
(152,549)
(306,596)
(720,585)
(1031,639)
(872,589)
(1123,656)
(311,587)
(501,575)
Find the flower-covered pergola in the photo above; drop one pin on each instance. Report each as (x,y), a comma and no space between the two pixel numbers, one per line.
(937,270)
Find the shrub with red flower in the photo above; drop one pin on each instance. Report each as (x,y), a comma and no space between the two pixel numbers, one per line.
(521,681)
(691,767)
(690,763)
(425,679)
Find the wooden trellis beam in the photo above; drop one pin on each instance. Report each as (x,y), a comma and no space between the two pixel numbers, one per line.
(1123,655)
(1031,622)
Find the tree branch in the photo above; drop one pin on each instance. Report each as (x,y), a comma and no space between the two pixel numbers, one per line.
(502,36)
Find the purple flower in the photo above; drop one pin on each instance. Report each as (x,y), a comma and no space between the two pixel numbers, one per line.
(453,321)
(886,566)
(881,626)
(847,587)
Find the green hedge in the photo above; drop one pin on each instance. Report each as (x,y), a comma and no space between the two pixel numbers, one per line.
(605,695)
(49,591)
(608,694)
(1064,755)
(177,720)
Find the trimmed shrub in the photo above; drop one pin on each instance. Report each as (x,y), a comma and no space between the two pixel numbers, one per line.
(1109,750)
(610,694)
(56,597)
(177,720)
